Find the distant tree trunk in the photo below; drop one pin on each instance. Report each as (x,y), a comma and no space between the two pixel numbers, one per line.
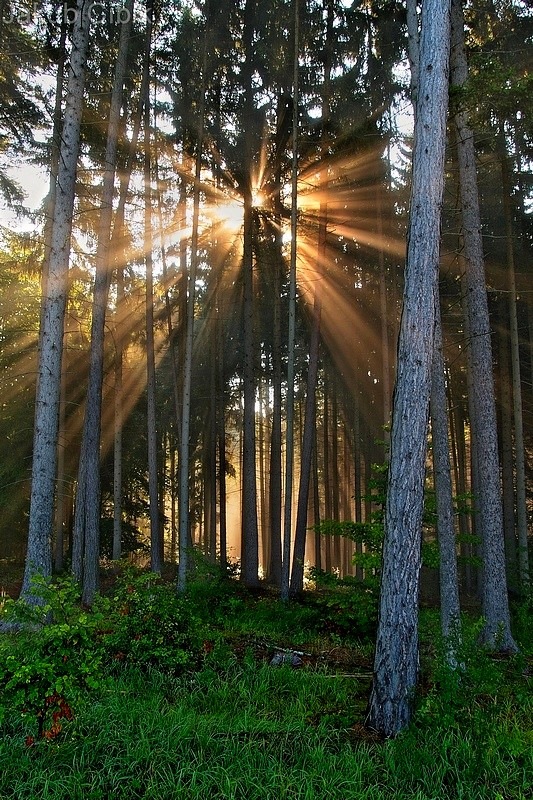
(291,335)
(156,543)
(249,541)
(506,428)
(495,604)
(87,516)
(309,436)
(449,584)
(274,571)
(221,443)
(316,505)
(520,466)
(249,547)
(118,420)
(189,300)
(396,658)
(297,574)
(119,257)
(39,556)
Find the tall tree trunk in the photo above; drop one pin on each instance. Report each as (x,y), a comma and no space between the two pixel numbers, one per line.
(249,543)
(274,570)
(308,442)
(297,574)
(184,539)
(291,334)
(156,543)
(520,465)
(449,583)
(506,428)
(396,658)
(495,604)
(87,516)
(39,557)
(249,547)
(118,420)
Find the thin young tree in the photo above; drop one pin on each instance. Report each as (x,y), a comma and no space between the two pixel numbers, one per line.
(396,658)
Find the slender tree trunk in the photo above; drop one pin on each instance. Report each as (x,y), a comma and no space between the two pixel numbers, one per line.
(495,604)
(118,420)
(249,549)
(297,574)
(187,360)
(449,583)
(274,571)
(520,465)
(156,548)
(39,557)
(291,336)
(506,428)
(396,659)
(87,516)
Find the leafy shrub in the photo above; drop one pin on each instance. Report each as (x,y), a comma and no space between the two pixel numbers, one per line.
(151,625)
(55,660)
(348,608)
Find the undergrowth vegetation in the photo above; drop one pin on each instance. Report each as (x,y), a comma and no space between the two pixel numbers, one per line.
(147,695)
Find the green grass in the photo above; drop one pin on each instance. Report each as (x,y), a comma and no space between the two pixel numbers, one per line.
(253,731)
(236,727)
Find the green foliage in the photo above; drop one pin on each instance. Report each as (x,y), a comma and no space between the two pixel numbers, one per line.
(151,625)
(346,607)
(469,681)
(55,658)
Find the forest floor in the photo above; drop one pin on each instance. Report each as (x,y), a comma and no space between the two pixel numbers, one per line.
(252,700)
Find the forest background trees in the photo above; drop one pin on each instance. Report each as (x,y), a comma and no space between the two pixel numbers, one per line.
(191,157)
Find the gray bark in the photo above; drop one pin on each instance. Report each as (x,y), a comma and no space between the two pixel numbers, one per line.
(449,584)
(520,462)
(87,516)
(39,557)
(291,335)
(495,604)
(396,658)
(184,540)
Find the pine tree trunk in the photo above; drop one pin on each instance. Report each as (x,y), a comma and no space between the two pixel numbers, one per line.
(87,516)
(506,428)
(38,556)
(188,299)
(449,583)
(396,658)
(291,335)
(520,466)
(495,604)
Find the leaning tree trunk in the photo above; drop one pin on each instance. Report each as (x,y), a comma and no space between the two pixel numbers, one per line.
(396,658)
(495,604)
(39,556)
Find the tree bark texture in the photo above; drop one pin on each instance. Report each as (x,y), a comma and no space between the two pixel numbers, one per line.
(495,605)
(449,583)
(39,556)
(396,659)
